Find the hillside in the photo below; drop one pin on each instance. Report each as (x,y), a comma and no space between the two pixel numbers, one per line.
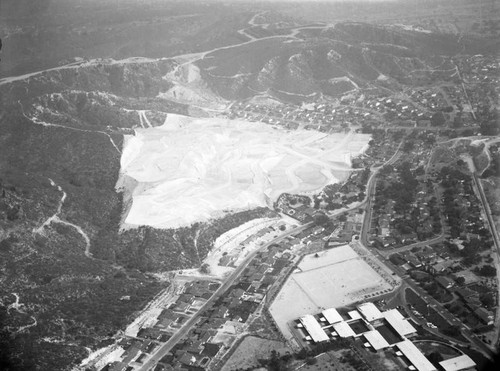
(61,251)
(301,64)
(67,267)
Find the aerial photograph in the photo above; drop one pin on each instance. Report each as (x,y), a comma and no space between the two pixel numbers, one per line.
(268,185)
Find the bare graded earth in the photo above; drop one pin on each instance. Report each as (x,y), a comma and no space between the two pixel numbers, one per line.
(208,167)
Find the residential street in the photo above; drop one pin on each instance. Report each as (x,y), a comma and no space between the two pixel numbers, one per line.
(166,347)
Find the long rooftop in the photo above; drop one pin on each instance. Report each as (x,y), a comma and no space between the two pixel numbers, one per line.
(313,328)
(415,356)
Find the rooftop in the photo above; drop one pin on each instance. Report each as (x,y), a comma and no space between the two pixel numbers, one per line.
(343,329)
(313,328)
(332,316)
(458,363)
(354,314)
(398,322)
(413,354)
(370,311)
(376,340)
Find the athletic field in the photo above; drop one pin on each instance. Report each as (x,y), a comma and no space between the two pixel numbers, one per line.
(332,279)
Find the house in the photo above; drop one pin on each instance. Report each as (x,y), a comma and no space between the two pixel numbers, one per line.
(317,230)
(181,307)
(484,315)
(465,293)
(413,260)
(244,285)
(221,312)
(443,266)
(445,282)
(195,347)
(211,349)
(186,298)
(237,293)
(188,359)
(164,322)
(149,333)
(206,335)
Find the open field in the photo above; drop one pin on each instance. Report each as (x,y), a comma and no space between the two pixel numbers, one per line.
(336,278)
(207,167)
(250,350)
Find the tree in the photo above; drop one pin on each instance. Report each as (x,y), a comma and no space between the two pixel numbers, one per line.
(386,169)
(321,219)
(460,280)
(408,146)
(487,271)
(488,300)
(277,363)
(205,268)
(311,360)
(438,119)
(452,331)
(435,357)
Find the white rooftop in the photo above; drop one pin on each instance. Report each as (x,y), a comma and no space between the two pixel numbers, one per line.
(398,322)
(343,330)
(376,340)
(313,328)
(370,311)
(458,363)
(415,356)
(332,316)
(354,314)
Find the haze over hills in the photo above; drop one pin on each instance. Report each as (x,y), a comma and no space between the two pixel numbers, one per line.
(77,78)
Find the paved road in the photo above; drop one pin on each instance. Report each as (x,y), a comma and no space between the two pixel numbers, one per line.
(166,347)
(370,193)
(496,240)
(432,241)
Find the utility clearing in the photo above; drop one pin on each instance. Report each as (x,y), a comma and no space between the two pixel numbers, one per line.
(195,169)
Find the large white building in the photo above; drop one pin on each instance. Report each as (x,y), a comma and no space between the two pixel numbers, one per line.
(333,324)
(370,312)
(414,356)
(401,325)
(313,328)
(463,362)
(332,316)
(375,340)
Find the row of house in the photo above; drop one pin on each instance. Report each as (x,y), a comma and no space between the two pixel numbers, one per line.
(239,302)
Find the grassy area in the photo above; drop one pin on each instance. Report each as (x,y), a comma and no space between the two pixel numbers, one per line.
(250,350)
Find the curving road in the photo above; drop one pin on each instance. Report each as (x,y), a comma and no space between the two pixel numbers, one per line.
(496,240)
(438,307)
(370,194)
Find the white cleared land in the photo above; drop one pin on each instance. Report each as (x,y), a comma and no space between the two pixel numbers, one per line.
(196,169)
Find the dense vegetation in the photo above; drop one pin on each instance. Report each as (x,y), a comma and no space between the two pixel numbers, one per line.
(69,298)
